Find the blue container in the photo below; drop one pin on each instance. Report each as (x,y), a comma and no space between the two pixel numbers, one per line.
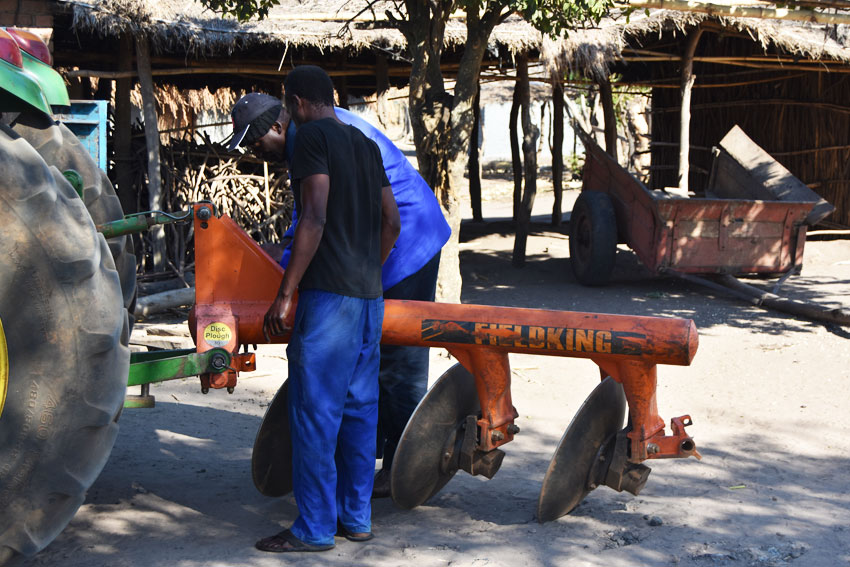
(87,119)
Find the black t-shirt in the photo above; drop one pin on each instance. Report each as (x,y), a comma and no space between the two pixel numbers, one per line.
(348,260)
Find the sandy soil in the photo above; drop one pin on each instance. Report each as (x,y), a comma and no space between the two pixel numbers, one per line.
(767,393)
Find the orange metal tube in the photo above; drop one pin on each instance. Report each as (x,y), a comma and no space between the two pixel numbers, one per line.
(233,273)
(236,282)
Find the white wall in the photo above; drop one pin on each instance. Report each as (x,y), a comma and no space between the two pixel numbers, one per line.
(495,123)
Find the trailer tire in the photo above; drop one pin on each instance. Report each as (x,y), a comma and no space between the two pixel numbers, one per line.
(593,238)
(67,357)
(61,148)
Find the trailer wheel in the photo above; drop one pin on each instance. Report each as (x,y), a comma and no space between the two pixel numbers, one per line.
(593,238)
(60,147)
(67,356)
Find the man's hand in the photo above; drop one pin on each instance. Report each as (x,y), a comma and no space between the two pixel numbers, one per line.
(273,324)
(274,249)
(308,234)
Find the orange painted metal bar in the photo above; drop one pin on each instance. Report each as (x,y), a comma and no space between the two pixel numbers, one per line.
(236,282)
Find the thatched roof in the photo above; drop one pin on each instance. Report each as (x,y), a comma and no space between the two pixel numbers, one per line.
(593,51)
(186,26)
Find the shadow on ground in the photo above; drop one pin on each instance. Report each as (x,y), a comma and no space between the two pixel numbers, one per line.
(490,278)
(177,488)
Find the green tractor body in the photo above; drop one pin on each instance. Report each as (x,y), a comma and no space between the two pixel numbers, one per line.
(21,90)
(64,354)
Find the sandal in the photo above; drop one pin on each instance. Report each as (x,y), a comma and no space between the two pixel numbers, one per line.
(342,531)
(286,541)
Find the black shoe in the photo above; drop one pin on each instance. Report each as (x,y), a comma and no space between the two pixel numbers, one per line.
(381,488)
(342,531)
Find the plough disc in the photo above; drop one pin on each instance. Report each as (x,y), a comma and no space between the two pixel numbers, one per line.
(567,480)
(422,464)
(271,459)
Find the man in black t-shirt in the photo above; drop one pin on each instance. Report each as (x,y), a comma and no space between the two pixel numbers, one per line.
(348,224)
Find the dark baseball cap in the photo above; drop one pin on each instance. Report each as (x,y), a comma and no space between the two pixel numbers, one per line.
(252,116)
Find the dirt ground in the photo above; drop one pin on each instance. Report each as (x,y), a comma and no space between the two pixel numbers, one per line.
(767,393)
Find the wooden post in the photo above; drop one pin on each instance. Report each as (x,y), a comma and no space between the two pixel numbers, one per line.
(607,96)
(516,159)
(557,147)
(341,82)
(530,134)
(104,90)
(266,189)
(143,64)
(342,90)
(688,79)
(127,194)
(382,75)
(475,162)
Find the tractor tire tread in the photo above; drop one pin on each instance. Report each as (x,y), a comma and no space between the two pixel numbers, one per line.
(67,332)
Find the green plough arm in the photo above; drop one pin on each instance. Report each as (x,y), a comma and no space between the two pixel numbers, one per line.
(160,366)
(140,222)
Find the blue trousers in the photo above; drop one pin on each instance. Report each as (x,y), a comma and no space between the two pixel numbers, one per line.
(404,370)
(333,411)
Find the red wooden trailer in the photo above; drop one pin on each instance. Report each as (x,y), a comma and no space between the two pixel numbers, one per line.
(762,234)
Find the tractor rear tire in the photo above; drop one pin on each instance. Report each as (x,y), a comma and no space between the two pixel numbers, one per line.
(593,238)
(61,148)
(68,360)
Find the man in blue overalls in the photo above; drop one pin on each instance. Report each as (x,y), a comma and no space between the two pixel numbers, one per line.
(410,272)
(350,222)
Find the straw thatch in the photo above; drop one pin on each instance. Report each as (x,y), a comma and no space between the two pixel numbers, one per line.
(178,109)
(595,51)
(773,106)
(787,90)
(186,26)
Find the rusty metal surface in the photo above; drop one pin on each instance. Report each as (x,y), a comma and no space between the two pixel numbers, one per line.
(567,480)
(729,236)
(424,460)
(696,235)
(271,458)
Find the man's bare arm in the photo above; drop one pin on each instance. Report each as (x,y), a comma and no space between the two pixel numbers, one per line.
(390,222)
(305,242)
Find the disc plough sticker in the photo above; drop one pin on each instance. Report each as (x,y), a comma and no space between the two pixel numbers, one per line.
(596,341)
(218,334)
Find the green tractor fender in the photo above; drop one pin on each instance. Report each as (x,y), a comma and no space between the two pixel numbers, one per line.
(37,61)
(19,89)
(52,83)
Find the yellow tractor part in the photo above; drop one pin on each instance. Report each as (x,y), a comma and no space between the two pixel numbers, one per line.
(4,368)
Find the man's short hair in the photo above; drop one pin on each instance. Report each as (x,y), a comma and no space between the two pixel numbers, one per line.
(310,83)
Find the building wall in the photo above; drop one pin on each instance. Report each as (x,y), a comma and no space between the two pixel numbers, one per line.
(27,14)
(495,136)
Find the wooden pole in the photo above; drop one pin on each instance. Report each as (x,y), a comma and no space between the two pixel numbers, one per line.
(530,134)
(127,193)
(266,189)
(557,148)
(159,302)
(341,83)
(760,298)
(475,162)
(143,64)
(516,159)
(382,77)
(606,94)
(688,79)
